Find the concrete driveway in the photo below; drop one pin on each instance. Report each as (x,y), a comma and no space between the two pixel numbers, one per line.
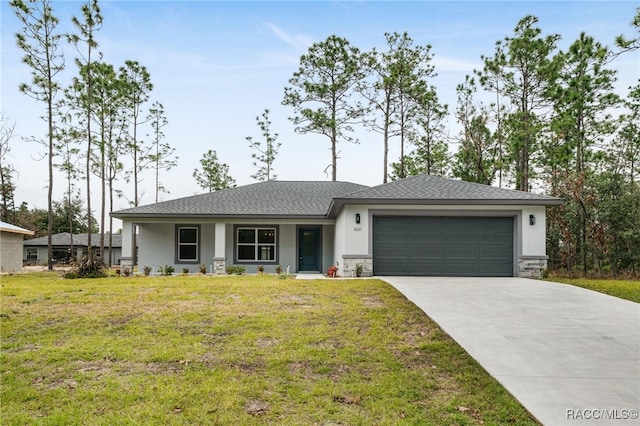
(570,356)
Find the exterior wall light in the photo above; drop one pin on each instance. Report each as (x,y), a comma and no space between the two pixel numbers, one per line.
(532,220)
(357,217)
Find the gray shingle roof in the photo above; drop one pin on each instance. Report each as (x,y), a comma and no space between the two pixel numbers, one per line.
(322,198)
(426,189)
(64,239)
(263,199)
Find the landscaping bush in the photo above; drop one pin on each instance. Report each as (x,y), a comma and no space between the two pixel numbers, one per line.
(88,267)
(236,269)
(166,270)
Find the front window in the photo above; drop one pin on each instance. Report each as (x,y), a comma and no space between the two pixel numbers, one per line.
(187,244)
(32,254)
(256,244)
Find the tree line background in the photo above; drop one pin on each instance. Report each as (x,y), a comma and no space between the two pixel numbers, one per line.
(534,118)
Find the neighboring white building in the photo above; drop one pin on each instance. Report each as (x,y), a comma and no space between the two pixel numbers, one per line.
(422,225)
(11,240)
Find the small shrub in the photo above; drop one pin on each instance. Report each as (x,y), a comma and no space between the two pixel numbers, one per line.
(126,271)
(278,269)
(166,270)
(147,270)
(261,269)
(203,268)
(91,267)
(236,269)
(359,269)
(185,271)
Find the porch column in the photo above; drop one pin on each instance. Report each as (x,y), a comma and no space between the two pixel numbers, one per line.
(126,260)
(220,257)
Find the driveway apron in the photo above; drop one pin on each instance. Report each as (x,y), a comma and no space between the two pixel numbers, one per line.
(571,356)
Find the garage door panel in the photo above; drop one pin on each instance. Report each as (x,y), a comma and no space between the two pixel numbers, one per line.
(494,250)
(393,238)
(460,251)
(416,268)
(425,252)
(394,268)
(447,246)
(462,269)
(394,253)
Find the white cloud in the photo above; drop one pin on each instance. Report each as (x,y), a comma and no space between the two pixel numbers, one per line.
(444,63)
(297,41)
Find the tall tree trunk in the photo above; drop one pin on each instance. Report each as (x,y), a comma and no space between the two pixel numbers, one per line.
(103,188)
(88,170)
(385,170)
(334,143)
(50,189)
(110,223)
(69,187)
(403,174)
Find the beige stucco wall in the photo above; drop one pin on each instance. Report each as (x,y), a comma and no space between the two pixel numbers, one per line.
(10,252)
(156,242)
(534,236)
(157,246)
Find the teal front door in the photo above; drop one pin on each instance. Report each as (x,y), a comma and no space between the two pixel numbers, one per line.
(309,249)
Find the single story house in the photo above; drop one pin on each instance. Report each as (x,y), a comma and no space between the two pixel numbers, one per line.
(36,249)
(11,240)
(421,225)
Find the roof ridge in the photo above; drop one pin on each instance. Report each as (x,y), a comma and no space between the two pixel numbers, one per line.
(273,197)
(453,180)
(482,185)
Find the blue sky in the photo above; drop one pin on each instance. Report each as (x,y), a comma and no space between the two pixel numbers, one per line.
(217,65)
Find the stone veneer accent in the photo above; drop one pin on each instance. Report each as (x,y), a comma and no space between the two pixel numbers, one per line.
(350,261)
(531,266)
(219,265)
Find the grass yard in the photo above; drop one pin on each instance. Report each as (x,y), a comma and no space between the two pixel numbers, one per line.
(624,289)
(233,350)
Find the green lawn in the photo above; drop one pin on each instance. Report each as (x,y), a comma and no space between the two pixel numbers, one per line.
(624,289)
(239,350)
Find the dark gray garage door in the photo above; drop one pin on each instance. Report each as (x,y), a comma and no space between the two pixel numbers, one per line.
(443,246)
